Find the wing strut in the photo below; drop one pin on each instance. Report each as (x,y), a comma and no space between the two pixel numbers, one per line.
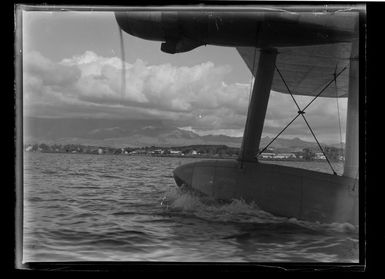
(258,105)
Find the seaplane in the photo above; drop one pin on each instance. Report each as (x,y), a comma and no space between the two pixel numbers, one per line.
(291,50)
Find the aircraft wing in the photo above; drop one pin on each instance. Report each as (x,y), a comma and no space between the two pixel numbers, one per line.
(307,69)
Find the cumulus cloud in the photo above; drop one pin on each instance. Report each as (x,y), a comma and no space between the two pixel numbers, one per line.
(197,97)
(162,90)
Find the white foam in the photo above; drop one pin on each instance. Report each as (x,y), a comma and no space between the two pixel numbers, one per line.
(180,199)
(204,207)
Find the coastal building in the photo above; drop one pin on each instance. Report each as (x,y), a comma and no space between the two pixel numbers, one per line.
(267,155)
(158,151)
(285,156)
(138,151)
(320,156)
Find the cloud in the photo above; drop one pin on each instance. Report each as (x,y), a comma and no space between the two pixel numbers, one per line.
(89,85)
(322,116)
(91,79)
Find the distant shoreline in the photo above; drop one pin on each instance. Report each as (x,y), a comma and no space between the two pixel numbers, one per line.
(214,152)
(184,156)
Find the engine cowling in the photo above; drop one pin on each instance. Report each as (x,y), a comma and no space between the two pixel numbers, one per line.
(181,31)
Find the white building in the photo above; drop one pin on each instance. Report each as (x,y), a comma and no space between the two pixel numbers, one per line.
(320,156)
(285,156)
(138,151)
(267,155)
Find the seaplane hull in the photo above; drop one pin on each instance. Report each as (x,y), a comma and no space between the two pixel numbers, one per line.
(280,190)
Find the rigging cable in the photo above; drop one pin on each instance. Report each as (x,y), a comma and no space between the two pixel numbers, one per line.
(302,112)
(326,86)
(338,107)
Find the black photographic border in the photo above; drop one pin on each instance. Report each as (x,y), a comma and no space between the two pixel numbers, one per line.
(182,266)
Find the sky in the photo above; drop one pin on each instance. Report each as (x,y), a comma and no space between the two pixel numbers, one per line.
(72,67)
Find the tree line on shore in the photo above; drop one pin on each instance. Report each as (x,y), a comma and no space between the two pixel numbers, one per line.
(221,151)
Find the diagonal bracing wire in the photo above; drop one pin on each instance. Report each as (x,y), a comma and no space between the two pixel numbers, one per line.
(325,87)
(302,112)
(338,106)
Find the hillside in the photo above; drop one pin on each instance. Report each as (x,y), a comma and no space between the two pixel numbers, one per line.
(134,133)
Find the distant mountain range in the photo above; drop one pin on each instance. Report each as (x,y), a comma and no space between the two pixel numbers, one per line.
(133,133)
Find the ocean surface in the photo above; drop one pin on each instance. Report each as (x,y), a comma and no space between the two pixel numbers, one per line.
(81,207)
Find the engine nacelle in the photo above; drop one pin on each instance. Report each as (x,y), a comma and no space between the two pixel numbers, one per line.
(179,46)
(182,31)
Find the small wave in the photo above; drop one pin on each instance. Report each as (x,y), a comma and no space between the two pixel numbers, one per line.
(238,211)
(48,172)
(106,242)
(110,176)
(84,215)
(78,174)
(35,199)
(336,227)
(123,213)
(136,232)
(84,186)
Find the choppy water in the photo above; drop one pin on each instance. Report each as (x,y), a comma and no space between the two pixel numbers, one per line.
(123,208)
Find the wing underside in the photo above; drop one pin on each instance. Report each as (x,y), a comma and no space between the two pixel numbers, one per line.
(307,69)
